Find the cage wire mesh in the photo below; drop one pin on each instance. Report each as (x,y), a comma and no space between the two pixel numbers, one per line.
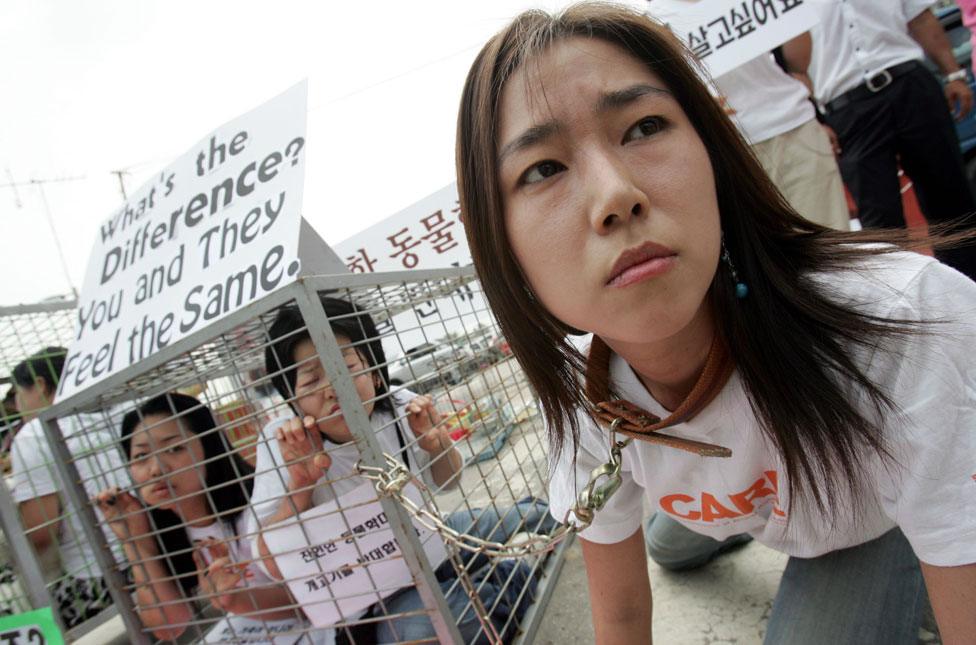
(45,560)
(345,460)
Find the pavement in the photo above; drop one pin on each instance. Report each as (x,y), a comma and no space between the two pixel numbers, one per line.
(727,601)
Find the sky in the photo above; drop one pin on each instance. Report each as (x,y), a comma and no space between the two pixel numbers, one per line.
(110,85)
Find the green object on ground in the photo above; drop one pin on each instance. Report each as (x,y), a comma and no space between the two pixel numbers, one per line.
(36,627)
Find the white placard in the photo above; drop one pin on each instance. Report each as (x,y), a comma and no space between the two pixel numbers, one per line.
(727,33)
(241,630)
(425,235)
(332,577)
(213,231)
(428,234)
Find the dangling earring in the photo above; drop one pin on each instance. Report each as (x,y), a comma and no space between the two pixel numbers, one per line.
(741,288)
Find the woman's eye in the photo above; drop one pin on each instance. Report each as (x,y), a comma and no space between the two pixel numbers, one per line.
(175,449)
(646,127)
(542,170)
(139,457)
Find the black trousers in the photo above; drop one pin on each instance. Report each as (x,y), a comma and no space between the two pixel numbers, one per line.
(907,122)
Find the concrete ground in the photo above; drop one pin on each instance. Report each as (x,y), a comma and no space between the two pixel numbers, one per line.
(727,601)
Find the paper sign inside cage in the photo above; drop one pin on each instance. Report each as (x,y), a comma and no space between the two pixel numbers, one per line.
(207,235)
(338,563)
(725,34)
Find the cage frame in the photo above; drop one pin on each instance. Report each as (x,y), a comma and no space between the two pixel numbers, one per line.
(304,292)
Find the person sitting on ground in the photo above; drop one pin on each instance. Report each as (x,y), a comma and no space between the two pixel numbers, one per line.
(311,459)
(188,505)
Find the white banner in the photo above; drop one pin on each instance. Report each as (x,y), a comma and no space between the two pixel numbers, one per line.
(724,34)
(215,230)
(333,578)
(426,235)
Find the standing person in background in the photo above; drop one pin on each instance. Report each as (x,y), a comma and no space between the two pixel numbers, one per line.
(775,115)
(53,530)
(865,66)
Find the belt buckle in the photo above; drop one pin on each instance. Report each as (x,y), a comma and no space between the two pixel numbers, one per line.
(883,79)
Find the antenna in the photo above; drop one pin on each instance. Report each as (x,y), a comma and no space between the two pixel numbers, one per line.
(120,174)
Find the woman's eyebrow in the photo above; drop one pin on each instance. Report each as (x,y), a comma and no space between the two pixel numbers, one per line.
(608,101)
(145,444)
(531,137)
(620,98)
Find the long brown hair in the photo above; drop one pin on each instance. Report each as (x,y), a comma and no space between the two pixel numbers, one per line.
(792,345)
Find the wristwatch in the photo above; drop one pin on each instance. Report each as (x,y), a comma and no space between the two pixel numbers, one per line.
(958,75)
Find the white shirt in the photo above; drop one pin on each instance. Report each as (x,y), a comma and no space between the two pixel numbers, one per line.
(243,629)
(856,39)
(929,490)
(94,442)
(767,100)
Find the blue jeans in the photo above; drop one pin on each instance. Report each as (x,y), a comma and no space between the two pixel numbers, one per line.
(506,588)
(870,593)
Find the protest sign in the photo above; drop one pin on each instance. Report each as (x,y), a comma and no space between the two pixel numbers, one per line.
(724,34)
(426,235)
(352,561)
(36,627)
(252,631)
(212,232)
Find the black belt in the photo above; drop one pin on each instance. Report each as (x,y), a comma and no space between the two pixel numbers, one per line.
(872,86)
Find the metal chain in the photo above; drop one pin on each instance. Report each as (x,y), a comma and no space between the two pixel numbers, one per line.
(603,483)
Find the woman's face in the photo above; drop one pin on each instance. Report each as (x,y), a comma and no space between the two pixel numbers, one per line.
(608,192)
(314,393)
(166,462)
(32,399)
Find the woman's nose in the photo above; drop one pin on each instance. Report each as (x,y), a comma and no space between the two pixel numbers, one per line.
(616,197)
(156,467)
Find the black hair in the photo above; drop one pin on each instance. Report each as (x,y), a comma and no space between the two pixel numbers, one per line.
(228,478)
(346,319)
(45,364)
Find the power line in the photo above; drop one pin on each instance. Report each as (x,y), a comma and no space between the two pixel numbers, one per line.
(39,183)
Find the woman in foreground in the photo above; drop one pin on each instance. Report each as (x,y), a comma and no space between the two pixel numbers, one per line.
(816,387)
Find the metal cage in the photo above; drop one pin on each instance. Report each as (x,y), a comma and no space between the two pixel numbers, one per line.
(430,525)
(42,563)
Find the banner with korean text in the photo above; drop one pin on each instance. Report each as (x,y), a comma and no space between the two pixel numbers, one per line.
(724,34)
(343,557)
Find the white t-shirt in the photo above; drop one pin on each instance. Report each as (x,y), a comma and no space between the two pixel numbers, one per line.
(929,490)
(767,100)
(856,39)
(92,439)
(244,629)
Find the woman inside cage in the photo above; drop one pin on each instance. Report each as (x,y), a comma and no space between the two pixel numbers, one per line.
(54,528)
(182,527)
(821,384)
(311,459)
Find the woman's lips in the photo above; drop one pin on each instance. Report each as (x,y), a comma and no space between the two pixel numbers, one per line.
(643,271)
(160,490)
(641,263)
